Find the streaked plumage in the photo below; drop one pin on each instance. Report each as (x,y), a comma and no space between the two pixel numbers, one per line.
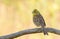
(38,20)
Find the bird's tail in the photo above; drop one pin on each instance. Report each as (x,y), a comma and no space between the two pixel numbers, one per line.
(44,31)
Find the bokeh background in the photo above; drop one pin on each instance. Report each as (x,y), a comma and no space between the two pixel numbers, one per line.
(16,15)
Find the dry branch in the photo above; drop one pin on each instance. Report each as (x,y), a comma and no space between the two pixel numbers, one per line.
(29,31)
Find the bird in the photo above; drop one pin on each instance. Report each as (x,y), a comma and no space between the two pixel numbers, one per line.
(38,20)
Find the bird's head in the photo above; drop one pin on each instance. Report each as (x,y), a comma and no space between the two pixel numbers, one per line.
(35,12)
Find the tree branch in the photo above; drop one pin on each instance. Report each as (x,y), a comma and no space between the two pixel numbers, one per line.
(29,31)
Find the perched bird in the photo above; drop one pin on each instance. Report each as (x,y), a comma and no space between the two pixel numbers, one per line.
(39,20)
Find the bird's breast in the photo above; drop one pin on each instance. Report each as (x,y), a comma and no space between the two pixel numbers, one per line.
(38,21)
